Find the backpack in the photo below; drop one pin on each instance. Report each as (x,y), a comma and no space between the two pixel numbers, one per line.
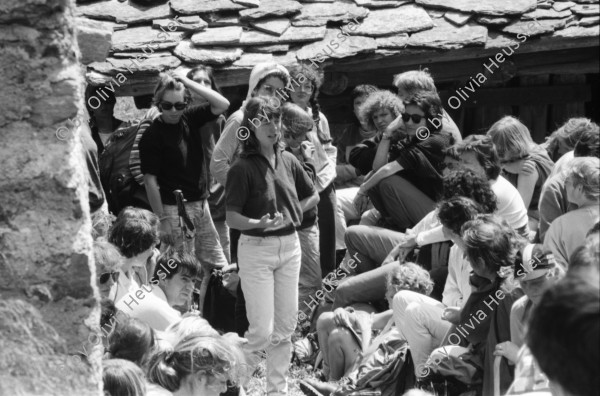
(115,174)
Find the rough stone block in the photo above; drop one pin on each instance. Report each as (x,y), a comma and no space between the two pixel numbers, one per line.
(187,52)
(487,7)
(94,39)
(405,19)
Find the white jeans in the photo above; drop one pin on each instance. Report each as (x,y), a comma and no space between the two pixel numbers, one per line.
(419,320)
(269,272)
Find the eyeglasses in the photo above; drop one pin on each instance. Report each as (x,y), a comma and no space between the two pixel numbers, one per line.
(107,275)
(416,118)
(516,159)
(168,106)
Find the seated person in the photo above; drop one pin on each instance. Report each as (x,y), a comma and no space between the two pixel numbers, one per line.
(491,247)
(378,111)
(568,350)
(568,231)
(412,82)
(122,377)
(136,239)
(404,189)
(476,153)
(345,334)
(367,286)
(553,199)
(423,321)
(536,271)
(176,274)
(525,164)
(563,140)
(196,365)
(108,261)
(348,178)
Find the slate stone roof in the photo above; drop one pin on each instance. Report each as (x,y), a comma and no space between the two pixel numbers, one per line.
(235,34)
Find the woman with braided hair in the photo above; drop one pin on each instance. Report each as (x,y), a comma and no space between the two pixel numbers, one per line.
(304,90)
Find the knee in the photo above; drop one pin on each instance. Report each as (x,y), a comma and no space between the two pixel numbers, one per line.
(339,337)
(401,300)
(325,321)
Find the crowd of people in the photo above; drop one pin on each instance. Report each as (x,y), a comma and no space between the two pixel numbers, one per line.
(400,255)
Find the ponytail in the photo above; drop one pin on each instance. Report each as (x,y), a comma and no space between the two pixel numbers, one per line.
(161,371)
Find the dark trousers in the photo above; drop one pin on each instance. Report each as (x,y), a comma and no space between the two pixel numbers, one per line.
(327,211)
(400,201)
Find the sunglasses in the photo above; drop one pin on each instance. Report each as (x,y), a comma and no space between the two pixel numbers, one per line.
(168,106)
(517,159)
(107,275)
(416,118)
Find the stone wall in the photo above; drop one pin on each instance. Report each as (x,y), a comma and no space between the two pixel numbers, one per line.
(48,306)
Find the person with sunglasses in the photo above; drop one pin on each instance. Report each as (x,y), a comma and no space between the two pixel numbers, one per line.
(405,189)
(172,158)
(108,261)
(525,164)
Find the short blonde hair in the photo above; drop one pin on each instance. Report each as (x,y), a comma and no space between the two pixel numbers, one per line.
(415,81)
(584,172)
(377,101)
(412,277)
(511,137)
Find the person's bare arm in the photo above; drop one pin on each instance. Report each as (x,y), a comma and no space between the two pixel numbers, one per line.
(218,103)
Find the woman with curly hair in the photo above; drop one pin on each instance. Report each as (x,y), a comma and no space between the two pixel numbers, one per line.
(267,192)
(404,190)
(525,164)
(378,111)
(304,91)
(345,334)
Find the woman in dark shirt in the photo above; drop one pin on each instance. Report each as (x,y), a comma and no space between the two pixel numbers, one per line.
(405,189)
(172,158)
(263,189)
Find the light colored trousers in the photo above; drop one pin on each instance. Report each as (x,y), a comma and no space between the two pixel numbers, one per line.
(345,212)
(419,320)
(269,271)
(310,269)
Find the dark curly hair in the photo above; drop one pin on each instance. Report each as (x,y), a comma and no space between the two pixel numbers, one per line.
(484,148)
(467,183)
(133,236)
(303,72)
(456,211)
(489,240)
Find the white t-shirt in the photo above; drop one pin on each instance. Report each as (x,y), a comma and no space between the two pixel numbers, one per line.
(510,204)
(561,164)
(144,303)
(457,288)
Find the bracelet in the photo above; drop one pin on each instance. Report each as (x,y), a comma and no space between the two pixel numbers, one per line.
(386,137)
(361,193)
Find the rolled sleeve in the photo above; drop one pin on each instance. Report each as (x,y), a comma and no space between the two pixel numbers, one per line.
(304,185)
